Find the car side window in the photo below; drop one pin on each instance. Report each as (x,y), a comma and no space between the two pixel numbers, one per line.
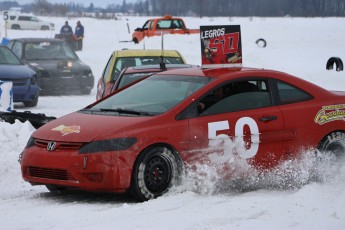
(18,49)
(24,18)
(146,25)
(235,96)
(163,24)
(107,69)
(291,94)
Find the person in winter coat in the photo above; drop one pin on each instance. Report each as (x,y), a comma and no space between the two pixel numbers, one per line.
(66,34)
(66,30)
(79,34)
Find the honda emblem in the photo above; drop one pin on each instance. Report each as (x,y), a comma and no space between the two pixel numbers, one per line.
(51,146)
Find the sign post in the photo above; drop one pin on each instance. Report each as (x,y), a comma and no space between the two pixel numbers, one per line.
(5,17)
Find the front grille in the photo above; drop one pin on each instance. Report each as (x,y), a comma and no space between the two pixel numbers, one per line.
(48,173)
(16,82)
(59,145)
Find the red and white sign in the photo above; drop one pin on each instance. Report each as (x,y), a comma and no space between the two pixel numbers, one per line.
(221,46)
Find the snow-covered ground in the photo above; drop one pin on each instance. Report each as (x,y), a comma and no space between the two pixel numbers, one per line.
(285,200)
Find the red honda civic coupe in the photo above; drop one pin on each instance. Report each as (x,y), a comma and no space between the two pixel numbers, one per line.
(140,139)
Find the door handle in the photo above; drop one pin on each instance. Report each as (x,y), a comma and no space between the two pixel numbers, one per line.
(267,118)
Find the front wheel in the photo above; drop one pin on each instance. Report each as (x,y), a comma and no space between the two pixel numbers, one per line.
(55,189)
(135,40)
(155,171)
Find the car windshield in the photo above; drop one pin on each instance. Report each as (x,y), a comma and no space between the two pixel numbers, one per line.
(48,51)
(154,95)
(7,57)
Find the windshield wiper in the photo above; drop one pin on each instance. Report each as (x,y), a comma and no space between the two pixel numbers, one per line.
(127,111)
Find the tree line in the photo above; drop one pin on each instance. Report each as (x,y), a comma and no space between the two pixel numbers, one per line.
(199,8)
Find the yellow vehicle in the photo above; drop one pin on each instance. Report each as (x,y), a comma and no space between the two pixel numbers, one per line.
(121,59)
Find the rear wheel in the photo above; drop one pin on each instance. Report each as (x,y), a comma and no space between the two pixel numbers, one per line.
(330,157)
(334,145)
(15,27)
(85,91)
(44,27)
(155,171)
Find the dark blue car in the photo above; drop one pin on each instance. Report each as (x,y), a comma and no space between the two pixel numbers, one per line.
(24,79)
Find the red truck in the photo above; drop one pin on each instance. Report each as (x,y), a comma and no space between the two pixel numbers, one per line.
(165,25)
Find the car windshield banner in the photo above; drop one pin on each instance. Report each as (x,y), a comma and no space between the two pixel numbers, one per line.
(221,46)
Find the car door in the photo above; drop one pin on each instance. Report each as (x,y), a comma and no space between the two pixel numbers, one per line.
(105,77)
(244,122)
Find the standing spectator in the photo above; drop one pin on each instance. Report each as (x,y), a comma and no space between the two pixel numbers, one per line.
(79,33)
(66,33)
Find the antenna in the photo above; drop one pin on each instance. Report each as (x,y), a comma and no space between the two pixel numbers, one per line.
(162,63)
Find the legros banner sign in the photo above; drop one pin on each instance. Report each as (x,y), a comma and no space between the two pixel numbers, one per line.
(221,46)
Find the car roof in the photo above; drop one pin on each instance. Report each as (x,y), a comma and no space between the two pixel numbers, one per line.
(199,71)
(243,72)
(220,72)
(155,68)
(38,40)
(146,52)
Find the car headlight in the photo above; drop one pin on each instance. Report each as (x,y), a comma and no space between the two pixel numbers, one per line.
(31,142)
(34,80)
(69,64)
(108,145)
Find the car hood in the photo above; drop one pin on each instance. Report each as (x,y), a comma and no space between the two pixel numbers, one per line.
(15,72)
(80,127)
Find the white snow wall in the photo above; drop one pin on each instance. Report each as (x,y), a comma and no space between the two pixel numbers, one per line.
(6,96)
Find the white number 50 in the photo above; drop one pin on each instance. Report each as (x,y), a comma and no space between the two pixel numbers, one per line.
(244,152)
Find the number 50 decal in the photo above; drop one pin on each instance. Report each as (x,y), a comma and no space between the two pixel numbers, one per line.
(244,152)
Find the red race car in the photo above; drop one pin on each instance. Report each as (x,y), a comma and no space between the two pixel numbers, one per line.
(139,139)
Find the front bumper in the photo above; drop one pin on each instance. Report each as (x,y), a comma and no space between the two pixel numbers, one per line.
(23,90)
(107,171)
(65,84)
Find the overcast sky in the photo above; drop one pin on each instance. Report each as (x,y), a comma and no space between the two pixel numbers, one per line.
(98,3)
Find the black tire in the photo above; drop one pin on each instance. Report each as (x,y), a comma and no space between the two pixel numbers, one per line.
(15,27)
(56,189)
(261,42)
(135,40)
(155,171)
(85,91)
(32,103)
(334,144)
(44,27)
(338,63)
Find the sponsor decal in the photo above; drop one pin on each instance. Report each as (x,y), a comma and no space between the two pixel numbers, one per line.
(67,129)
(330,113)
(221,46)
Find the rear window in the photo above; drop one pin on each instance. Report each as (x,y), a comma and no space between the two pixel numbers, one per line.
(122,63)
(291,94)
